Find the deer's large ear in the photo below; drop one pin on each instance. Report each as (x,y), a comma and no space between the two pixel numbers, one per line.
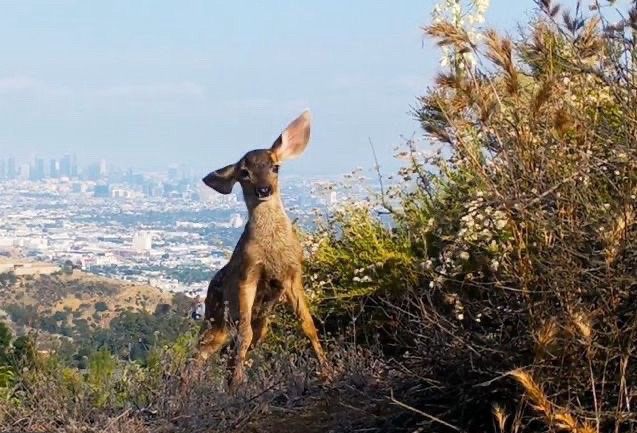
(222,180)
(293,141)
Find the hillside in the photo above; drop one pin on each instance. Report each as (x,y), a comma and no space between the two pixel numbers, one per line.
(72,297)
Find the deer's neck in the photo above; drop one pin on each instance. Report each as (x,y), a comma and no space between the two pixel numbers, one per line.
(268,218)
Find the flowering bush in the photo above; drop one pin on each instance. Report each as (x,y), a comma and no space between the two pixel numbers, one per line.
(513,240)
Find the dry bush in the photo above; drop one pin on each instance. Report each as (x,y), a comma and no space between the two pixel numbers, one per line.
(534,246)
(516,235)
(284,393)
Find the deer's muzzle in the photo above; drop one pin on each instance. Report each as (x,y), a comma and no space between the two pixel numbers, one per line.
(263,192)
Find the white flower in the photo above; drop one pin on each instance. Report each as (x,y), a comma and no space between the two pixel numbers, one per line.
(463,15)
(464,255)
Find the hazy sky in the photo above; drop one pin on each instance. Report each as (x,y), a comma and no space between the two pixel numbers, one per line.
(148,83)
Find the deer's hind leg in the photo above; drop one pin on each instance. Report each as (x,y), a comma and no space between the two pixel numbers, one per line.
(213,335)
(260,328)
(247,294)
(261,316)
(211,340)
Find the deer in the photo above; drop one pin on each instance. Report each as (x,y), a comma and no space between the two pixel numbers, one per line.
(266,265)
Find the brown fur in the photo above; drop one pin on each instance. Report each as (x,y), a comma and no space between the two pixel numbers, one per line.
(266,265)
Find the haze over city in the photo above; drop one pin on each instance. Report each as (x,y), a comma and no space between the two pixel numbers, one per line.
(149,84)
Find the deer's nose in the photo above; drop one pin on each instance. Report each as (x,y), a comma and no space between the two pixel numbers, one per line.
(264,191)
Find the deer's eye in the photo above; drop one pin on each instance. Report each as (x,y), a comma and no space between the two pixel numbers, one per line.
(275,168)
(245,174)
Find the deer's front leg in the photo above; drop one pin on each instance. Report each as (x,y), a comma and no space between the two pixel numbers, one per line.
(247,293)
(296,298)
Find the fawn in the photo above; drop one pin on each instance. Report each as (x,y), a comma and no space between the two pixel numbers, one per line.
(266,264)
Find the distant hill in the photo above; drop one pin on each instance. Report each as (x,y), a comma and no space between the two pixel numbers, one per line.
(70,297)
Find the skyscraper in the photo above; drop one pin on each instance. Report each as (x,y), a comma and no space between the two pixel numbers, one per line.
(65,166)
(74,170)
(103,169)
(93,172)
(142,241)
(11,169)
(38,169)
(25,172)
(54,168)
(172,172)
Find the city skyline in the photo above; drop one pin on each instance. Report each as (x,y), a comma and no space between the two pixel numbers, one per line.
(67,166)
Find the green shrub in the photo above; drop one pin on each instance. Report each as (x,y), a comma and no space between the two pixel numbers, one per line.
(101,370)
(101,306)
(7,279)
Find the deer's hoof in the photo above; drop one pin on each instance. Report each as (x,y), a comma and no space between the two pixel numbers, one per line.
(326,372)
(187,375)
(236,380)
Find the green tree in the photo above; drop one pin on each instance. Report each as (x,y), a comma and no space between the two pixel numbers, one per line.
(68,267)
(24,353)
(5,342)
(7,279)
(162,309)
(101,370)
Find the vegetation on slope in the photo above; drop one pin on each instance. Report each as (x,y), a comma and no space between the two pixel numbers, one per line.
(78,295)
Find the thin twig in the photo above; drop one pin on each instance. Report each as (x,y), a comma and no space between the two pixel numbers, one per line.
(424,414)
(380,178)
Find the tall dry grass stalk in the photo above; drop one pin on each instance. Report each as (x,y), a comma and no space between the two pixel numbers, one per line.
(561,419)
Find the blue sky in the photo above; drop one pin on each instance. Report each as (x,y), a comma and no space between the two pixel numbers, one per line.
(149,83)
